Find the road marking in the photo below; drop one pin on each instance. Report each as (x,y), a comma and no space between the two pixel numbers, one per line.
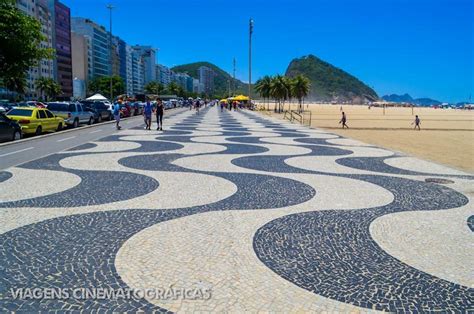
(95,131)
(65,139)
(17,151)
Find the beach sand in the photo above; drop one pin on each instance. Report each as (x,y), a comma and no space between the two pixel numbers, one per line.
(446,136)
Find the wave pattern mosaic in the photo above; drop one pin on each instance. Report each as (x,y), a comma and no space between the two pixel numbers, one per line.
(262,214)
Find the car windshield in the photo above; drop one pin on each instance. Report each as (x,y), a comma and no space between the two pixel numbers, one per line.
(20,112)
(58,107)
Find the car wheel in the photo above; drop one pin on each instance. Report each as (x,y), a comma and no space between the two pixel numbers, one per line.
(60,127)
(75,124)
(16,136)
(99,120)
(90,121)
(38,131)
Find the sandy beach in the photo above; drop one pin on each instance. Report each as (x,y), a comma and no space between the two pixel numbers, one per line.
(446,136)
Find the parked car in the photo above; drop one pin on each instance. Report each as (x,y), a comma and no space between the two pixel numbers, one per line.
(125,111)
(5,107)
(138,108)
(99,109)
(24,105)
(37,104)
(73,113)
(36,120)
(167,104)
(9,130)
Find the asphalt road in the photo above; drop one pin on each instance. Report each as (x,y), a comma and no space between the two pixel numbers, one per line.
(19,152)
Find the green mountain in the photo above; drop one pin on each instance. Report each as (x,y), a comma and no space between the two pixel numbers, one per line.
(330,83)
(221,78)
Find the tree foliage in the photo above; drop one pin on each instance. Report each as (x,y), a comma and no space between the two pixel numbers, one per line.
(154,88)
(48,87)
(20,49)
(300,88)
(282,88)
(102,85)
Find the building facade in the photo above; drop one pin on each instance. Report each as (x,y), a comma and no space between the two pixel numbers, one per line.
(80,65)
(129,69)
(138,73)
(98,46)
(148,55)
(39,10)
(164,75)
(61,21)
(206,78)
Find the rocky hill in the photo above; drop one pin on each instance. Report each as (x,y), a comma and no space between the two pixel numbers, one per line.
(329,82)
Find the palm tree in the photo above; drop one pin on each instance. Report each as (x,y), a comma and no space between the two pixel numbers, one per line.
(42,84)
(154,88)
(263,88)
(300,88)
(278,90)
(173,88)
(48,87)
(287,82)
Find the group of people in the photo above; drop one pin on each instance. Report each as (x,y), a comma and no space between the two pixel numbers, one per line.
(343,121)
(159,111)
(234,105)
(148,110)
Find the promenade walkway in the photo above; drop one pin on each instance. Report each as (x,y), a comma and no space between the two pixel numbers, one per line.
(235,211)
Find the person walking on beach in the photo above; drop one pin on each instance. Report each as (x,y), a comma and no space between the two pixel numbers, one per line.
(117,115)
(343,120)
(147,111)
(417,123)
(159,115)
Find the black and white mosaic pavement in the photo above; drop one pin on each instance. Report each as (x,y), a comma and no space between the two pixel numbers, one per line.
(255,180)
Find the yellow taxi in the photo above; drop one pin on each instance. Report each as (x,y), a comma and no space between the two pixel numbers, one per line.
(36,120)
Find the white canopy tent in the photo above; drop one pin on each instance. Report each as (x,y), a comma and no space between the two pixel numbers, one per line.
(96,97)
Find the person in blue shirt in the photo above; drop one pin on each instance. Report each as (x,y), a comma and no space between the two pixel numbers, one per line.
(147,111)
(117,115)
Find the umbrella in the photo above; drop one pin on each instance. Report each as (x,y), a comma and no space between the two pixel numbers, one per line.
(241,98)
(97,97)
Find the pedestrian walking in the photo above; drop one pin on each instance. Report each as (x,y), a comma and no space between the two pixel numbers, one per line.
(147,111)
(343,120)
(117,115)
(417,123)
(159,115)
(198,104)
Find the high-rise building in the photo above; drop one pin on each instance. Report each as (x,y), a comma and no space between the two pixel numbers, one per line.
(39,10)
(129,69)
(122,55)
(196,86)
(80,65)
(138,73)
(98,46)
(165,75)
(61,21)
(148,55)
(206,77)
(182,80)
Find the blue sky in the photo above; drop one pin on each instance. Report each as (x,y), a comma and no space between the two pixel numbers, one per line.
(420,47)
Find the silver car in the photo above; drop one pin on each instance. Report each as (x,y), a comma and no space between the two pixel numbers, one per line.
(73,113)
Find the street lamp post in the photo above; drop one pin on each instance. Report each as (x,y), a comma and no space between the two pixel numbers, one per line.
(250,59)
(233,81)
(110,7)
